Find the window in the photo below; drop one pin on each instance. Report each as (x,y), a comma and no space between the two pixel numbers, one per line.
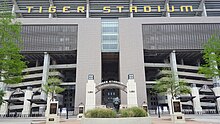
(110,35)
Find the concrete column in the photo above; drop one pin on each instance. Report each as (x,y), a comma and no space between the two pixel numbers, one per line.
(49,97)
(131,58)
(173,66)
(217,93)
(131,91)
(87,9)
(50,14)
(27,104)
(88,59)
(196,101)
(204,13)
(169,98)
(54,62)
(167,13)
(37,63)
(44,78)
(216,82)
(13,9)
(90,93)
(4,106)
(131,14)
(2,84)
(182,61)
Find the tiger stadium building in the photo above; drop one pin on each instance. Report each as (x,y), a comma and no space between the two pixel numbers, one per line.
(112,42)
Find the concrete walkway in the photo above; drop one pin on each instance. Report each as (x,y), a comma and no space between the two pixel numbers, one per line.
(155,120)
(190,119)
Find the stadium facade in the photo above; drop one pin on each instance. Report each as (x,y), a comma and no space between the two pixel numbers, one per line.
(113,41)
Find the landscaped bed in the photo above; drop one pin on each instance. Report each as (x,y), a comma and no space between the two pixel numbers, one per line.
(125,116)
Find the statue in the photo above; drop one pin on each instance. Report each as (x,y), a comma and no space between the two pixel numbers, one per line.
(116,103)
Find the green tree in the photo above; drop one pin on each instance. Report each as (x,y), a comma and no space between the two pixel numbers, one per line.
(211,56)
(53,86)
(168,85)
(11,64)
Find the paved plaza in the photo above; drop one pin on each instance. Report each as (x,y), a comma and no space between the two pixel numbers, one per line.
(190,119)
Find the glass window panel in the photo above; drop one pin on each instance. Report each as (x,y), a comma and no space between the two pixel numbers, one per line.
(110,35)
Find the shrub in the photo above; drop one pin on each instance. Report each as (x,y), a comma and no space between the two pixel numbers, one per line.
(133,112)
(126,113)
(100,113)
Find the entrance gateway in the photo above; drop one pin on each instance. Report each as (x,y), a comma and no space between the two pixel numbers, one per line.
(110,90)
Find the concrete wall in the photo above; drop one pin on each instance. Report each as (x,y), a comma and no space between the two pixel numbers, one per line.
(131,56)
(88,51)
(131,49)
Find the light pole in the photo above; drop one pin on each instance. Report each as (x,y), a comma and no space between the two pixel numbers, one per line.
(158,107)
(67,107)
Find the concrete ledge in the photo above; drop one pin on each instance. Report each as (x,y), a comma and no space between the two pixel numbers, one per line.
(132,120)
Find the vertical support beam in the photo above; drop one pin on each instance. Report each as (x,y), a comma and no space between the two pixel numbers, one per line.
(37,63)
(198,62)
(202,6)
(54,62)
(13,9)
(50,14)
(4,106)
(169,99)
(216,90)
(2,84)
(204,12)
(27,104)
(182,61)
(173,66)
(87,8)
(216,82)
(131,4)
(88,59)
(196,101)
(131,91)
(165,7)
(131,58)
(44,78)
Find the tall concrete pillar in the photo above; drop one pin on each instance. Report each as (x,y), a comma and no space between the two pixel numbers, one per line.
(2,84)
(216,82)
(169,98)
(87,8)
(37,63)
(90,93)
(27,104)
(4,106)
(173,66)
(131,91)
(131,4)
(131,58)
(196,101)
(88,59)
(49,99)
(216,90)
(44,79)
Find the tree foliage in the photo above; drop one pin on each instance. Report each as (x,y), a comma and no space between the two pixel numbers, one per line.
(11,64)
(211,56)
(53,86)
(168,85)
